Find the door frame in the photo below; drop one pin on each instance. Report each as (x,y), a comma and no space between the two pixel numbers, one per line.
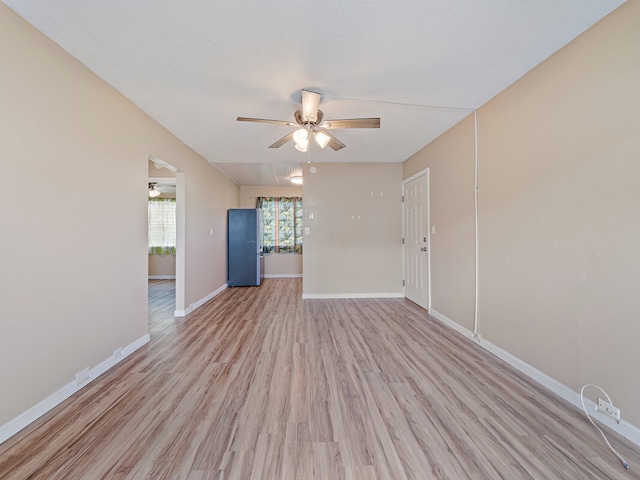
(415,176)
(180,300)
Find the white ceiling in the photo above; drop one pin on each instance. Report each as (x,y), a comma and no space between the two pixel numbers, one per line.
(196,65)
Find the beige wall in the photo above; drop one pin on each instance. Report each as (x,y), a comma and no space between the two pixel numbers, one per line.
(451,162)
(275,264)
(65,308)
(354,245)
(559,213)
(162,265)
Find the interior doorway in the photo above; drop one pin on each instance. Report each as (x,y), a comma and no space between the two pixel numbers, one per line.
(417,285)
(168,285)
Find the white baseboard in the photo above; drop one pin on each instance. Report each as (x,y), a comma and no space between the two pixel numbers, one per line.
(282,275)
(624,428)
(451,324)
(162,277)
(308,296)
(199,303)
(32,414)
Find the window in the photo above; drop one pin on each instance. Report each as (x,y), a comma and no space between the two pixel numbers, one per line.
(162,226)
(282,224)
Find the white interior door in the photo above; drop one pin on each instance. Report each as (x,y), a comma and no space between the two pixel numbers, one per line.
(416,240)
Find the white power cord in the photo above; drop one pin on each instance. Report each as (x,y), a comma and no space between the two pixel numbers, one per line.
(624,463)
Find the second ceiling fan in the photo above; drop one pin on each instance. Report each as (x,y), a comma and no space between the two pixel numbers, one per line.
(310,123)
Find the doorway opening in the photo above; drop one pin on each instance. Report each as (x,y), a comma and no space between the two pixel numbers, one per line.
(166,266)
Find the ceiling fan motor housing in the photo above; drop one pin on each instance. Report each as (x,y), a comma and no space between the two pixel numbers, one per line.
(302,121)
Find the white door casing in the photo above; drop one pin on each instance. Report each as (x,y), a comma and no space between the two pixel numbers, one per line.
(416,240)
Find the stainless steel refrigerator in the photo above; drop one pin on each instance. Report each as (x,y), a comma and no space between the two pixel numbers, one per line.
(244,247)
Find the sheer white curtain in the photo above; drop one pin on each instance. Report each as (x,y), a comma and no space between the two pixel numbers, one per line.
(162,226)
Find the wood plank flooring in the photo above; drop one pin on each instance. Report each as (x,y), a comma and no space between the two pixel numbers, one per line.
(259,384)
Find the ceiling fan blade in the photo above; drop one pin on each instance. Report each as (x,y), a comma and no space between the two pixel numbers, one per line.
(352,123)
(334,143)
(264,120)
(310,104)
(282,141)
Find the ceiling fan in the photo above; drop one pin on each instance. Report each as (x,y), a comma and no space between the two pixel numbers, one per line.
(310,122)
(156,188)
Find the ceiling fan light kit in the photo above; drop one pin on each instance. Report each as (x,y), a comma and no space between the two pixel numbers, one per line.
(322,138)
(296,179)
(309,120)
(301,137)
(153,191)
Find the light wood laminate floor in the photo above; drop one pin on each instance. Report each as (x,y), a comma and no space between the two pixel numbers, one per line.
(260,384)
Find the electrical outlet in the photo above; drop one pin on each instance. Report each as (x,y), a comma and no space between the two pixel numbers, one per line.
(606,407)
